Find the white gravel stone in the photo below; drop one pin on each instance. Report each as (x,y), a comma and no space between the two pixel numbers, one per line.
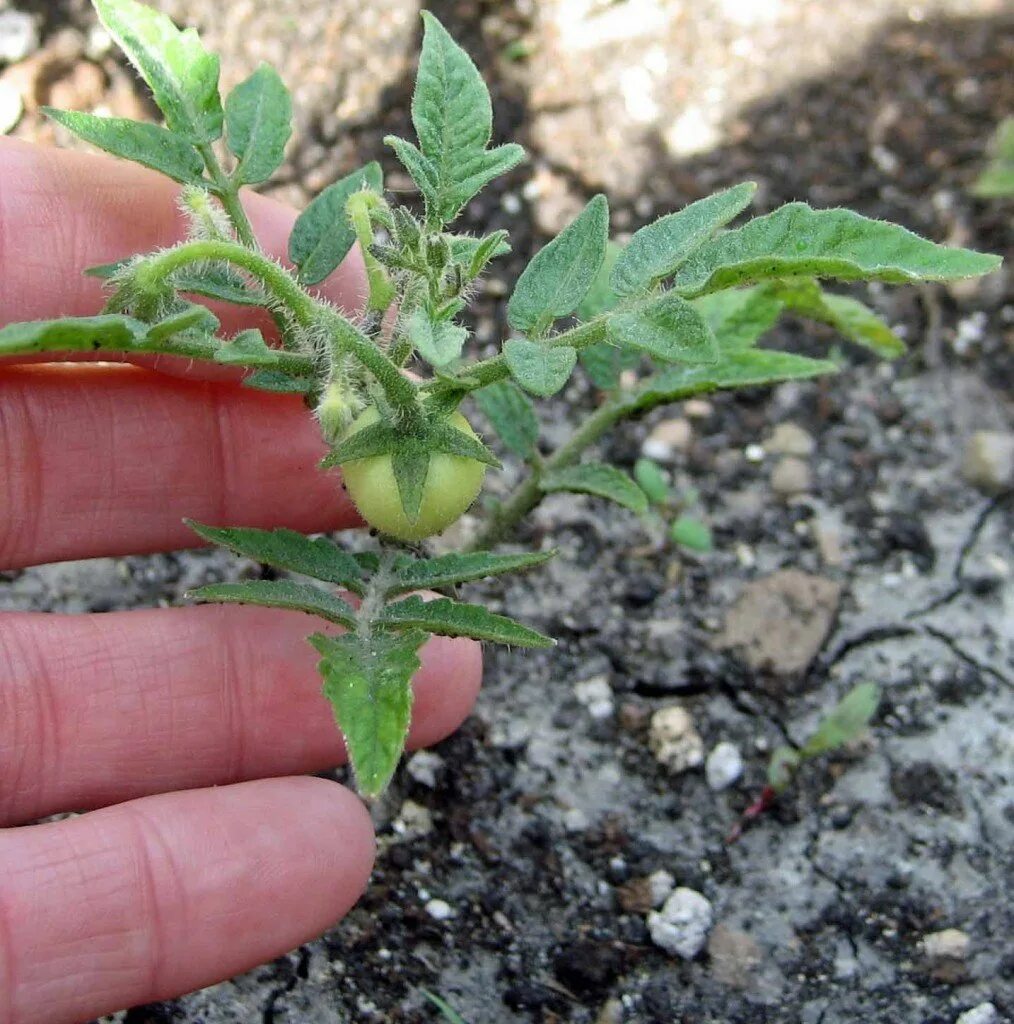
(424,767)
(439,910)
(790,476)
(681,927)
(660,887)
(789,439)
(949,944)
(575,820)
(989,460)
(413,820)
(667,439)
(984,1013)
(674,740)
(596,695)
(723,766)
(19,36)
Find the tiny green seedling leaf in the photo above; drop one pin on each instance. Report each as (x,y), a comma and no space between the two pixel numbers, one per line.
(369,686)
(541,369)
(797,241)
(782,767)
(659,248)
(667,328)
(561,272)
(285,549)
(651,478)
(300,597)
(846,722)
(446,1011)
(689,532)
(322,235)
(445,617)
(181,74)
(512,415)
(258,123)
(147,144)
(997,180)
(600,480)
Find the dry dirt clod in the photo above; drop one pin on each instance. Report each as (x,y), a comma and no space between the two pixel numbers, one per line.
(735,956)
(681,927)
(674,740)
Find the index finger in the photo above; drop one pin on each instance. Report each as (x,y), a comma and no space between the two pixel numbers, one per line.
(62,211)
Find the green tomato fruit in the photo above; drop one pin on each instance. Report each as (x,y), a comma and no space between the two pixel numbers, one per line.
(452,484)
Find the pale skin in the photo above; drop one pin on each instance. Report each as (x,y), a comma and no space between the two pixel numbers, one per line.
(183,732)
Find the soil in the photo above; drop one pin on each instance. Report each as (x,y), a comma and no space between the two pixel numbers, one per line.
(542,819)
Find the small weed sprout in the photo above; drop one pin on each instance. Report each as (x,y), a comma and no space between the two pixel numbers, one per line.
(677,311)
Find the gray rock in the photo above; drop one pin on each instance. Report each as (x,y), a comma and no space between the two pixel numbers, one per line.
(19,35)
(984,1013)
(791,476)
(949,944)
(735,956)
(681,927)
(723,766)
(789,439)
(989,460)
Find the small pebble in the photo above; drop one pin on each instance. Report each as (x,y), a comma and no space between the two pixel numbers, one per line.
(681,927)
(723,766)
(413,820)
(674,740)
(697,408)
(575,820)
(19,36)
(790,476)
(439,910)
(424,766)
(984,1013)
(667,439)
(989,460)
(789,439)
(949,944)
(596,695)
(754,453)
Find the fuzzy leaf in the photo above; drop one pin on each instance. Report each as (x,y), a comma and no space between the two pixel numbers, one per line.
(423,173)
(300,597)
(782,767)
(652,480)
(659,248)
(846,722)
(216,281)
(605,362)
(797,241)
(322,235)
(690,532)
(739,317)
(442,437)
(181,74)
(249,349)
(601,297)
(280,383)
(258,123)
(454,618)
(447,570)
(410,463)
(997,180)
(473,254)
(438,343)
(286,549)
(737,369)
(369,686)
(561,272)
(147,144)
(110,331)
(598,479)
(667,328)
(850,317)
(512,415)
(541,369)
(453,118)
(190,318)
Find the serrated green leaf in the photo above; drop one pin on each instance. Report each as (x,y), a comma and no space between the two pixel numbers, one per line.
(147,144)
(561,272)
(410,463)
(850,317)
(73,334)
(453,119)
(739,317)
(375,439)
(651,478)
(285,594)
(601,297)
(667,328)
(286,549)
(442,436)
(438,343)
(736,369)
(605,362)
(369,685)
(512,415)
(181,74)
(322,235)
(782,767)
(258,123)
(473,254)
(659,248)
(279,382)
(249,349)
(997,180)
(846,722)
(454,618)
(447,570)
(217,281)
(797,241)
(541,369)
(690,532)
(600,480)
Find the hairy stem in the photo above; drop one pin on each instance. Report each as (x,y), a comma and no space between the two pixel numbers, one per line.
(228,193)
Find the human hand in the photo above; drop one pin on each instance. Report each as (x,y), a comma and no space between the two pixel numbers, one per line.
(166,886)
